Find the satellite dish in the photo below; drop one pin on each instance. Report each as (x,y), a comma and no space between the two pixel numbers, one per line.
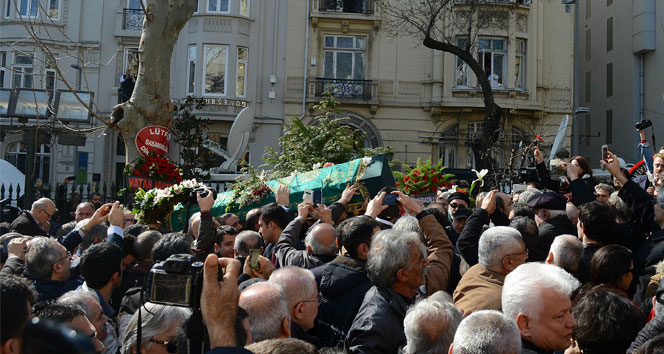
(238,138)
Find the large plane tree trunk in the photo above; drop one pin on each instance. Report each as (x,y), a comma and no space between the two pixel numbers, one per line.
(150,103)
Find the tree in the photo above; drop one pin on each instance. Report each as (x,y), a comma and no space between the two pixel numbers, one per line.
(439,24)
(326,140)
(150,103)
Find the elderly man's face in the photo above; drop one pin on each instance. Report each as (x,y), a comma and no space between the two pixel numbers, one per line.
(234,221)
(552,330)
(658,166)
(98,319)
(83,212)
(82,325)
(416,270)
(602,196)
(310,310)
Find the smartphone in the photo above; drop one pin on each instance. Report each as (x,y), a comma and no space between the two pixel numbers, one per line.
(605,153)
(253,258)
(308,196)
(390,199)
(318,197)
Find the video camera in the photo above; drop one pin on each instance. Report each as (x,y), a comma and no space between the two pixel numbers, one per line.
(177,281)
(643,124)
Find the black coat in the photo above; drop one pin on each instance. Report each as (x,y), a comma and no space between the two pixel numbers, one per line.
(343,284)
(26,225)
(654,328)
(582,189)
(378,326)
(469,239)
(548,230)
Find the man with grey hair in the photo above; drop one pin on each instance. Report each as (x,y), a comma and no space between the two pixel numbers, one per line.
(31,223)
(245,241)
(95,234)
(537,297)
(267,307)
(603,192)
(396,266)
(302,295)
(529,194)
(84,210)
(430,324)
(501,250)
(320,242)
(566,252)
(88,301)
(486,331)
(47,263)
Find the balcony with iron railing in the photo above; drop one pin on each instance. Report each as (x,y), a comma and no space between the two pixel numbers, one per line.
(360,90)
(348,6)
(506,2)
(132,19)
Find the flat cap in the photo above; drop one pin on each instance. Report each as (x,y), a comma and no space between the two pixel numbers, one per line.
(549,200)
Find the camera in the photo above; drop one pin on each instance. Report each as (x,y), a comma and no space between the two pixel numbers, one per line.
(643,124)
(204,193)
(177,281)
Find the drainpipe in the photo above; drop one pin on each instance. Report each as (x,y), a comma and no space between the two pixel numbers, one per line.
(642,93)
(306,63)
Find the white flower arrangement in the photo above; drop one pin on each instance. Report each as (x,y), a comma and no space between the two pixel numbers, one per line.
(155,204)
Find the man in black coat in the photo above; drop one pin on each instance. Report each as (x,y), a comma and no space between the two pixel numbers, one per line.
(344,282)
(552,221)
(31,223)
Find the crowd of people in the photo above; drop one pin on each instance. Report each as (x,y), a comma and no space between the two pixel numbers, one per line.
(567,265)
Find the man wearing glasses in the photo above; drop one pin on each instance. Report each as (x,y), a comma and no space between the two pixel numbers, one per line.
(33,222)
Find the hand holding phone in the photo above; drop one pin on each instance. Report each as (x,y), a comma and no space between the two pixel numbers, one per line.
(390,199)
(308,196)
(253,258)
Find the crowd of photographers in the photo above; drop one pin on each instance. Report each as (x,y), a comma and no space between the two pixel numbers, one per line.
(568,264)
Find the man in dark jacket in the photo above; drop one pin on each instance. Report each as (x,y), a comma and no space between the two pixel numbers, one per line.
(344,282)
(31,223)
(395,266)
(47,263)
(552,221)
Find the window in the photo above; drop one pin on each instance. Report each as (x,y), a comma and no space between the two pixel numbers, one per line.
(609,126)
(244,7)
(27,8)
(216,58)
(609,34)
(588,6)
(588,86)
(462,71)
(191,69)
(492,57)
(16,155)
(49,76)
(588,128)
(54,9)
(242,55)
(196,8)
(609,79)
(22,71)
(3,68)
(8,6)
(588,44)
(344,57)
(520,65)
(135,4)
(131,61)
(218,6)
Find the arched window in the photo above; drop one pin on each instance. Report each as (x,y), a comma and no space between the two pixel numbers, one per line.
(447,147)
(16,154)
(372,138)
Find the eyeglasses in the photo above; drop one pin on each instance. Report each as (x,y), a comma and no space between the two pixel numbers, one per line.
(46,212)
(318,300)
(171,345)
(63,258)
(525,252)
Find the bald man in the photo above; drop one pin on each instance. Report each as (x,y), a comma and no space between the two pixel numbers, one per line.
(302,295)
(267,307)
(33,222)
(320,242)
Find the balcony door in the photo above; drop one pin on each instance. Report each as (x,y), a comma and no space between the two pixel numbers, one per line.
(343,66)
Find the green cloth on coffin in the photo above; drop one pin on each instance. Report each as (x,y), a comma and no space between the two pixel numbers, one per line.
(374,173)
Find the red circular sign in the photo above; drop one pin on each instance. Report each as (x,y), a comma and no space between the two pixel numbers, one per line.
(153,138)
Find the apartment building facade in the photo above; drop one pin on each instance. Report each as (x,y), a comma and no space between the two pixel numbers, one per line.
(422,102)
(620,68)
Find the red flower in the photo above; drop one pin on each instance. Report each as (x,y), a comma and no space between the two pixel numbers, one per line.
(434,189)
(416,172)
(540,138)
(462,191)
(433,171)
(145,168)
(328,164)
(416,180)
(434,180)
(398,184)
(406,179)
(424,178)
(416,192)
(136,172)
